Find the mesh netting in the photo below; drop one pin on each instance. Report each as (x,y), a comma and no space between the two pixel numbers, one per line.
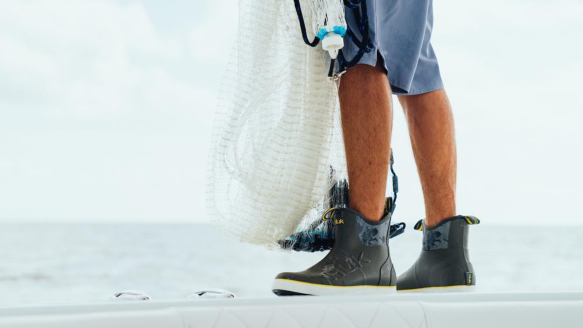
(277,144)
(327,14)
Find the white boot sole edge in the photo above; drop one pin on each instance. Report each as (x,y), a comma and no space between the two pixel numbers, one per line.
(321,290)
(448,289)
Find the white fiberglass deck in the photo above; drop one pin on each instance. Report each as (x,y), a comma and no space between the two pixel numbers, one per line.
(488,310)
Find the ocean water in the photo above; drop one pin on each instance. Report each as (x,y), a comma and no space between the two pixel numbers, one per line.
(55,263)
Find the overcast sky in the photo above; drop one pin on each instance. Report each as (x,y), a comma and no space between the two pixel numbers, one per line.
(106,108)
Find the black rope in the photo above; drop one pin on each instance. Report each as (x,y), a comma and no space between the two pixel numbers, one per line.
(364,45)
(352,3)
(303,26)
(395,184)
(354,39)
(332,66)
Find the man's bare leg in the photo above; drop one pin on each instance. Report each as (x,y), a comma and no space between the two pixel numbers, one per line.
(365,102)
(444,260)
(367,117)
(431,129)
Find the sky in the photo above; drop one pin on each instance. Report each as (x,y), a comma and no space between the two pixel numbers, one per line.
(106,109)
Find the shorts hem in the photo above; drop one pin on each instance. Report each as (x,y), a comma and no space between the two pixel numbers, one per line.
(396,87)
(420,91)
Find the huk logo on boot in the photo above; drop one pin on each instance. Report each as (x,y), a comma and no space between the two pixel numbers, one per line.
(344,264)
(331,215)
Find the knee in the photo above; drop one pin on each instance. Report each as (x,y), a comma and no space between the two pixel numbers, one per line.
(416,104)
(405,102)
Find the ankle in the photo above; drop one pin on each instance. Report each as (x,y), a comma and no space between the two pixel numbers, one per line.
(433,220)
(372,213)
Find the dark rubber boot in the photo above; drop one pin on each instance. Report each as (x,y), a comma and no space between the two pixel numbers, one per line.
(359,261)
(444,264)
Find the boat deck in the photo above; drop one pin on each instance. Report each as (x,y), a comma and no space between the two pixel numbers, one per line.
(491,310)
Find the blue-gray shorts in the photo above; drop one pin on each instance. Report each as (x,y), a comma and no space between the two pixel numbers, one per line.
(400,31)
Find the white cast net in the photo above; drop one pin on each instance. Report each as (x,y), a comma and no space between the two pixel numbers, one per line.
(277,128)
(327,14)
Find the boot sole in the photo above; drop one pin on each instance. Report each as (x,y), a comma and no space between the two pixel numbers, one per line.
(286,287)
(445,289)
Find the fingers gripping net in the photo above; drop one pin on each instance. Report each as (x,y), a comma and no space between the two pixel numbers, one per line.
(277,129)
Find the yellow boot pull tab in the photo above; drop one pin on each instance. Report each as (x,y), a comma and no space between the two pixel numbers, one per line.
(472,220)
(419,225)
